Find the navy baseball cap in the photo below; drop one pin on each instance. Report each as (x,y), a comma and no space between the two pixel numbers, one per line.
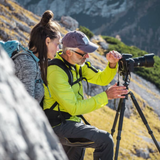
(77,39)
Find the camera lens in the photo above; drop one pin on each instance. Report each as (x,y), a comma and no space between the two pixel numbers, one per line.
(146,61)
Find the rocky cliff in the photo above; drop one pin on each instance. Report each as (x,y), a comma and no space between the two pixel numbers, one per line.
(136,22)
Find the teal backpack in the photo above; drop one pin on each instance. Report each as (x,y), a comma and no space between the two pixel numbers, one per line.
(15,48)
(12,47)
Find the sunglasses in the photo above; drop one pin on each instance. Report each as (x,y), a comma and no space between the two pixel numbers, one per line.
(80,53)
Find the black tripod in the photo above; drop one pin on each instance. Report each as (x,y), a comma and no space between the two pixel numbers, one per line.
(121,109)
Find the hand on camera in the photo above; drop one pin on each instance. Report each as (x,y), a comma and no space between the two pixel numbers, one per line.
(115,91)
(113,57)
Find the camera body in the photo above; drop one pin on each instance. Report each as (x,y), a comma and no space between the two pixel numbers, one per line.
(127,63)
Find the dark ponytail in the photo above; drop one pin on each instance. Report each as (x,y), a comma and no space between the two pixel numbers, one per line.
(46,17)
(45,28)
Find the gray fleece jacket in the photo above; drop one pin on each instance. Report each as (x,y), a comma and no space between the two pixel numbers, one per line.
(28,71)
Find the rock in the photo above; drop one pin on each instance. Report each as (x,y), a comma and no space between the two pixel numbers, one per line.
(4,35)
(104,45)
(100,41)
(25,133)
(144,153)
(23,18)
(69,22)
(118,37)
(23,27)
(4,2)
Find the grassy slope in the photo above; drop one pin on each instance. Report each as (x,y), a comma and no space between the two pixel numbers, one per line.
(9,17)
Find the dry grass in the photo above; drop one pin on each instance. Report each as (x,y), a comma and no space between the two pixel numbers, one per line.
(23,11)
(10,18)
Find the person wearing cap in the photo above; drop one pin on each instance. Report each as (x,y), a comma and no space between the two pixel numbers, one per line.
(73,134)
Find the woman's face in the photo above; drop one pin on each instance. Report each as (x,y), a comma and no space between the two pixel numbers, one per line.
(53,46)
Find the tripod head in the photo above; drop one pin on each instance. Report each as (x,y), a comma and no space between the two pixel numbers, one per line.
(127,64)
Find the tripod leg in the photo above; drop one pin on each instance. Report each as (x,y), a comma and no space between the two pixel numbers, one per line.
(144,119)
(120,127)
(116,117)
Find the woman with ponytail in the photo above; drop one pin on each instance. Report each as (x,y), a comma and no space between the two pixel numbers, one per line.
(44,43)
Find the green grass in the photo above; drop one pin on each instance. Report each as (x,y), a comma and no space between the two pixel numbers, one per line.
(86,31)
(115,44)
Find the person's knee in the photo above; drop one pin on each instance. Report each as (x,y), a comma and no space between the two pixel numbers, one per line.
(108,140)
(111,143)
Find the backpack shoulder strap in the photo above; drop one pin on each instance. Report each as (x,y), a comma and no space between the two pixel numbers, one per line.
(18,54)
(62,65)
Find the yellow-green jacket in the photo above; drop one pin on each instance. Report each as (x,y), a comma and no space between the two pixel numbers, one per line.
(69,98)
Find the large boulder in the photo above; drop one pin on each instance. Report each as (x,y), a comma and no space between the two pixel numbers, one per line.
(69,22)
(25,133)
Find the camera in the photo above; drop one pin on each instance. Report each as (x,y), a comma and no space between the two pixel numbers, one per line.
(127,63)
